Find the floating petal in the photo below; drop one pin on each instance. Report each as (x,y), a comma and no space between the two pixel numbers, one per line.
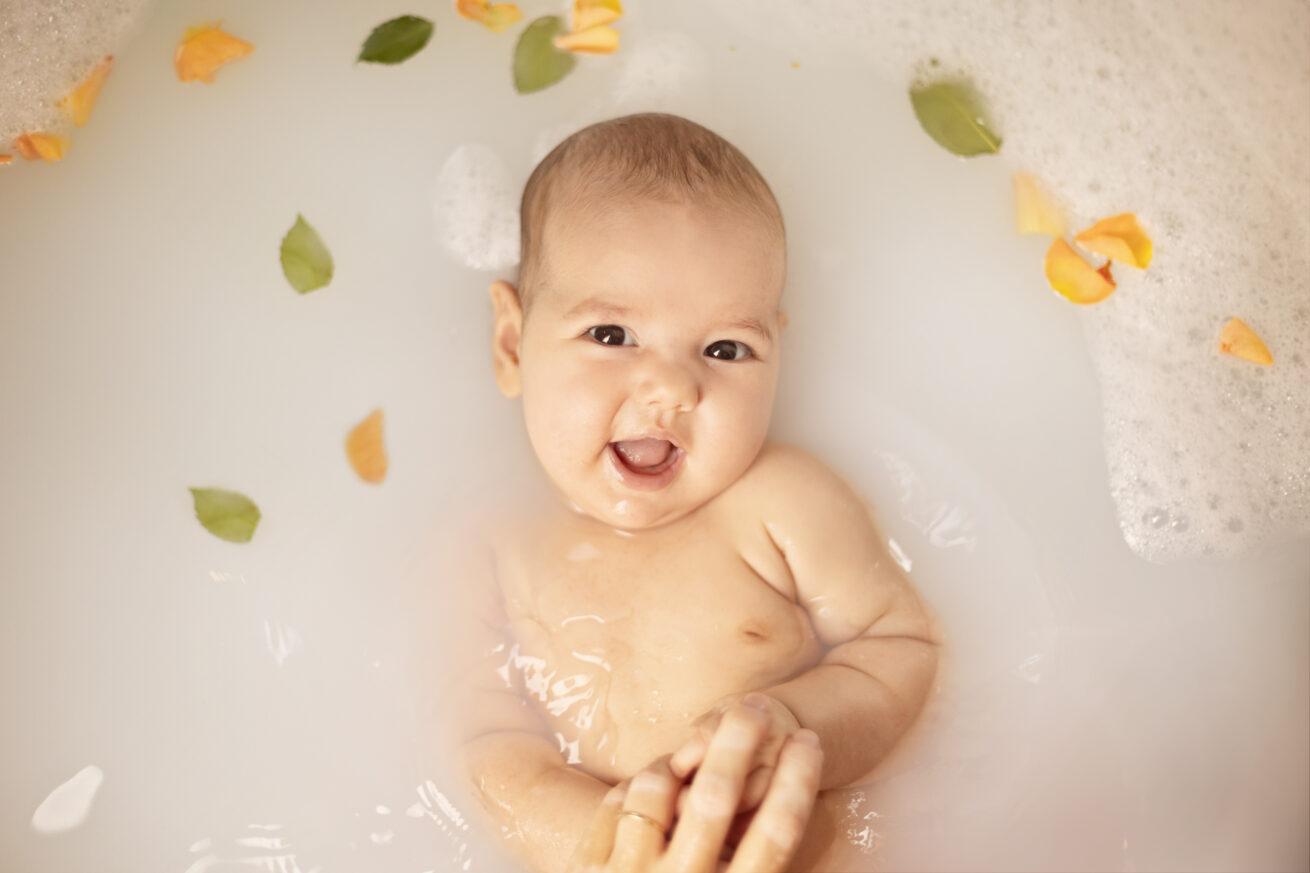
(41,146)
(204,49)
(594,13)
(1036,212)
(1119,238)
(365,449)
(6,159)
(79,102)
(593,40)
(1077,280)
(496,16)
(1237,339)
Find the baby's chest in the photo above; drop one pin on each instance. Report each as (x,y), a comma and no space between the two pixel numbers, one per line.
(691,621)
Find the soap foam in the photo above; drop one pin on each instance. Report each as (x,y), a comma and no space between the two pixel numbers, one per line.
(46,49)
(476,209)
(1196,116)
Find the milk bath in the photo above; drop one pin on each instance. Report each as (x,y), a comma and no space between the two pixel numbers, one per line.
(1113,697)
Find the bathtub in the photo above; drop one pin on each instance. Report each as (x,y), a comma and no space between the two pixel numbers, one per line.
(178,703)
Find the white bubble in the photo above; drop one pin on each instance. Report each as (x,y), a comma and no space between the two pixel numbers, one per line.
(476,209)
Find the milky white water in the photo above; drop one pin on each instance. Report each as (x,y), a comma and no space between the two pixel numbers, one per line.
(177,703)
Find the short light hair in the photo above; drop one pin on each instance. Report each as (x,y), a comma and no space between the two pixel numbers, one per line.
(648,156)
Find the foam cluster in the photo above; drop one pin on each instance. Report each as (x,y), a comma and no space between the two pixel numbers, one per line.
(1195,115)
(45,50)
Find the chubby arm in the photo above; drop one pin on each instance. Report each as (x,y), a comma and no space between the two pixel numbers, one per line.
(873,681)
(511,766)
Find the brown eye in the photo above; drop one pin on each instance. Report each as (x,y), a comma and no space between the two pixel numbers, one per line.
(608,334)
(728,350)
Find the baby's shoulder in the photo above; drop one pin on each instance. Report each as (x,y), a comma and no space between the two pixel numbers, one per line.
(786,475)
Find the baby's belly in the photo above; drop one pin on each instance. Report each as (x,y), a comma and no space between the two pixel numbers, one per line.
(619,694)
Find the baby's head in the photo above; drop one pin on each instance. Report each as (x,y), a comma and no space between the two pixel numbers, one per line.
(644,332)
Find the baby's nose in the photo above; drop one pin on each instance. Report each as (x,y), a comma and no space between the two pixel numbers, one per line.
(667,385)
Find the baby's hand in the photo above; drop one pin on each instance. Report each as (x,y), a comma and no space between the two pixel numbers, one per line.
(781,724)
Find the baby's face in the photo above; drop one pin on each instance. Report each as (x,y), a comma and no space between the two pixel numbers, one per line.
(649,360)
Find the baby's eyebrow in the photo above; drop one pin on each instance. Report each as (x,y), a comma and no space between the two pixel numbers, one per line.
(600,307)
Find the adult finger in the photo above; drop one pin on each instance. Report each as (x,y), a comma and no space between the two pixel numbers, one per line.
(646,818)
(757,784)
(597,844)
(689,755)
(776,831)
(716,789)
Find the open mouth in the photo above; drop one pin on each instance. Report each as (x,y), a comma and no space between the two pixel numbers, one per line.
(646,464)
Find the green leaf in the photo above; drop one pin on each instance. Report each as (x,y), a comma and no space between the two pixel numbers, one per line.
(226,514)
(537,63)
(951,112)
(306,262)
(396,40)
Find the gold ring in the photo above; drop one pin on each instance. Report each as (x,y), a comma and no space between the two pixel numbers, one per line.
(647,819)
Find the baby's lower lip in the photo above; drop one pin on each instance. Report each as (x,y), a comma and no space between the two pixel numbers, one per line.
(647,481)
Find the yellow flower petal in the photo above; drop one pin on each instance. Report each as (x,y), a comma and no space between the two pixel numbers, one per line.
(496,16)
(1074,278)
(1035,211)
(365,450)
(594,40)
(41,146)
(1119,238)
(204,49)
(79,102)
(1238,340)
(594,13)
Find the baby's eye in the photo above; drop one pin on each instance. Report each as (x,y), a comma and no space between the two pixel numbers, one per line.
(729,350)
(609,335)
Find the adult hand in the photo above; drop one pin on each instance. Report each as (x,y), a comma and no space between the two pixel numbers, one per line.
(634,830)
(782,723)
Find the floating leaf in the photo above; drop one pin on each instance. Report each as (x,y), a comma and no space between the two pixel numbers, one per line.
(1237,339)
(496,16)
(306,262)
(204,49)
(396,40)
(1036,212)
(1074,278)
(365,449)
(1119,238)
(79,102)
(951,112)
(41,146)
(537,63)
(226,514)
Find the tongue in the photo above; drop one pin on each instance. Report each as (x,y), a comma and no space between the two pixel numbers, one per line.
(644,453)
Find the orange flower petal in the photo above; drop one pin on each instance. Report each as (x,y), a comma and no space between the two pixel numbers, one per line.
(1237,339)
(365,450)
(204,49)
(41,146)
(1035,211)
(79,102)
(6,159)
(594,13)
(1074,278)
(1119,238)
(496,16)
(594,40)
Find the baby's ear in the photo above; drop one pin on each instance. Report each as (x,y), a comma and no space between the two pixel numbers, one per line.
(506,335)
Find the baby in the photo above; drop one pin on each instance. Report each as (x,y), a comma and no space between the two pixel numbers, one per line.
(688,561)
